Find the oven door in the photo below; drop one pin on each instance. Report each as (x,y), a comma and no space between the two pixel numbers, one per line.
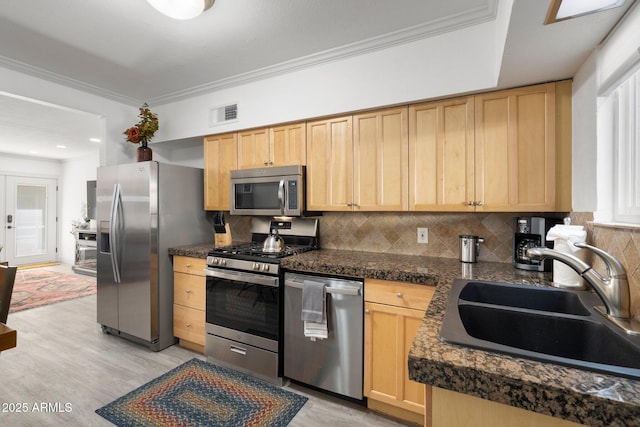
(243,306)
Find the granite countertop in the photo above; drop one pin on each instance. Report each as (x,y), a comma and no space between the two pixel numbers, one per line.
(194,251)
(573,394)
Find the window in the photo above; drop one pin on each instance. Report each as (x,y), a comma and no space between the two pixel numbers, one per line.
(625,105)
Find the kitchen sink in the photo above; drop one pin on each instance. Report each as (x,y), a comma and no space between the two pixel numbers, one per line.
(544,299)
(546,324)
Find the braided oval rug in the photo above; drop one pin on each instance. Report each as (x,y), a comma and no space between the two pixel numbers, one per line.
(198,393)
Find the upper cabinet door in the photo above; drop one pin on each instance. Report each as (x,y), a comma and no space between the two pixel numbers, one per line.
(220,157)
(441,156)
(253,149)
(381,157)
(330,164)
(289,144)
(515,150)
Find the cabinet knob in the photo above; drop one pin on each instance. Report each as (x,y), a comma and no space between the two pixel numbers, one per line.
(470,203)
(399,294)
(188,291)
(479,203)
(188,325)
(366,311)
(188,265)
(349,204)
(270,162)
(265,162)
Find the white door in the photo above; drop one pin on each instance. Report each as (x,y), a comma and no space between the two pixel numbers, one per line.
(30,220)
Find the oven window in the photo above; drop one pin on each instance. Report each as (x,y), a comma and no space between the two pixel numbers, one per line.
(243,306)
(257,195)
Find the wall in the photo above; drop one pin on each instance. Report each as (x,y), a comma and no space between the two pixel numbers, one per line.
(116,116)
(73,200)
(614,60)
(396,75)
(72,176)
(23,166)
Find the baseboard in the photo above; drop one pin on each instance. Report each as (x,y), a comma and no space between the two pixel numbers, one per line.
(37,265)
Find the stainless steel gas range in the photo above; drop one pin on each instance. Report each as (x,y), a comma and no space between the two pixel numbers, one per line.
(244,296)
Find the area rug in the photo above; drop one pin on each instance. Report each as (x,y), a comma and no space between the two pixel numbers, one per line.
(38,287)
(198,393)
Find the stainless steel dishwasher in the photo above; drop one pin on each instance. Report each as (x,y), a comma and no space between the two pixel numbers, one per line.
(335,363)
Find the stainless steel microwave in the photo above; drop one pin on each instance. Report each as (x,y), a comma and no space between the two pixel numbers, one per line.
(276,191)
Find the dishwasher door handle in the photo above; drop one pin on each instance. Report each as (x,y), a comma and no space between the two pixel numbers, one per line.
(328,289)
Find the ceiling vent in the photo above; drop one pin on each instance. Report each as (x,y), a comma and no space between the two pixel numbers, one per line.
(223,114)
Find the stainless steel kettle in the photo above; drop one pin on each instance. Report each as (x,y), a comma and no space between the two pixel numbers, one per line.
(470,248)
(273,243)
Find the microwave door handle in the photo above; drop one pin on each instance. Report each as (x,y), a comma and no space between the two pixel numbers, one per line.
(281,196)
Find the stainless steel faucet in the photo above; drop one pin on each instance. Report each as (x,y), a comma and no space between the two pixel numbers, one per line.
(612,289)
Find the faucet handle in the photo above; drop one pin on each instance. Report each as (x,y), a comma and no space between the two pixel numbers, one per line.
(614,268)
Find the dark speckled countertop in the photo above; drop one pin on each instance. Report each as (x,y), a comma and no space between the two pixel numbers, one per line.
(193,251)
(581,396)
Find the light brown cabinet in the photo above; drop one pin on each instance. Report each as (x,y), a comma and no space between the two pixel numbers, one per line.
(330,164)
(220,157)
(393,314)
(480,412)
(189,299)
(490,152)
(275,146)
(515,149)
(358,162)
(504,151)
(441,155)
(253,149)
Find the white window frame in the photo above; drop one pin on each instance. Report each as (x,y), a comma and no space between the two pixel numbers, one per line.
(626,141)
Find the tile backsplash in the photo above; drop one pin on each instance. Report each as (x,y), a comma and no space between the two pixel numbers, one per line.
(389,232)
(621,242)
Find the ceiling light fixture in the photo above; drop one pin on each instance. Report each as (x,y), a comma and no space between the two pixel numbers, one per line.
(181,9)
(94,139)
(560,10)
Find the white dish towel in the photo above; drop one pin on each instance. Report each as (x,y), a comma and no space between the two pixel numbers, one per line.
(314,313)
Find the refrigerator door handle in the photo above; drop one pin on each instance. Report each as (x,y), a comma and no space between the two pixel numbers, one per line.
(113,231)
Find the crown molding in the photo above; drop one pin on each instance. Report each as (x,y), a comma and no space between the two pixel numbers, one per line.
(475,16)
(50,76)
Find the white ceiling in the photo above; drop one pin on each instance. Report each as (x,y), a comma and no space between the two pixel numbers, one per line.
(126,51)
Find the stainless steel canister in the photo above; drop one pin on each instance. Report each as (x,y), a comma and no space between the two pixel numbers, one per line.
(470,248)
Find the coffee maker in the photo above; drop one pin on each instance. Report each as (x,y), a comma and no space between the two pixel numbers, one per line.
(531,231)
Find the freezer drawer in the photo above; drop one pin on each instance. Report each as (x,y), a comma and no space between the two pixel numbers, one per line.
(334,364)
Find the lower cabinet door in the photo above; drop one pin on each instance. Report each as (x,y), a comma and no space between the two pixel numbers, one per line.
(188,324)
(389,332)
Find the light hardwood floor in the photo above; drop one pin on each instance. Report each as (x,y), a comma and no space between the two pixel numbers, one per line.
(63,360)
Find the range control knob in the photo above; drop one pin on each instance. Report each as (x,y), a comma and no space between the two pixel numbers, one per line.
(265,267)
(215,261)
(256,266)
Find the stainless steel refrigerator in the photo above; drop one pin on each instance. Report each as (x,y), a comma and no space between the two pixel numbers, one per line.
(142,210)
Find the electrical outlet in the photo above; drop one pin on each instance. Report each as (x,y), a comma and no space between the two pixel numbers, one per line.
(423,235)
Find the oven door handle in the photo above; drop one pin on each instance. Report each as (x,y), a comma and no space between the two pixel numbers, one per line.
(239,276)
(329,289)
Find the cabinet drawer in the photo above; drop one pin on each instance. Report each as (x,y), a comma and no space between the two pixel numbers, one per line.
(188,324)
(189,290)
(189,265)
(400,294)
